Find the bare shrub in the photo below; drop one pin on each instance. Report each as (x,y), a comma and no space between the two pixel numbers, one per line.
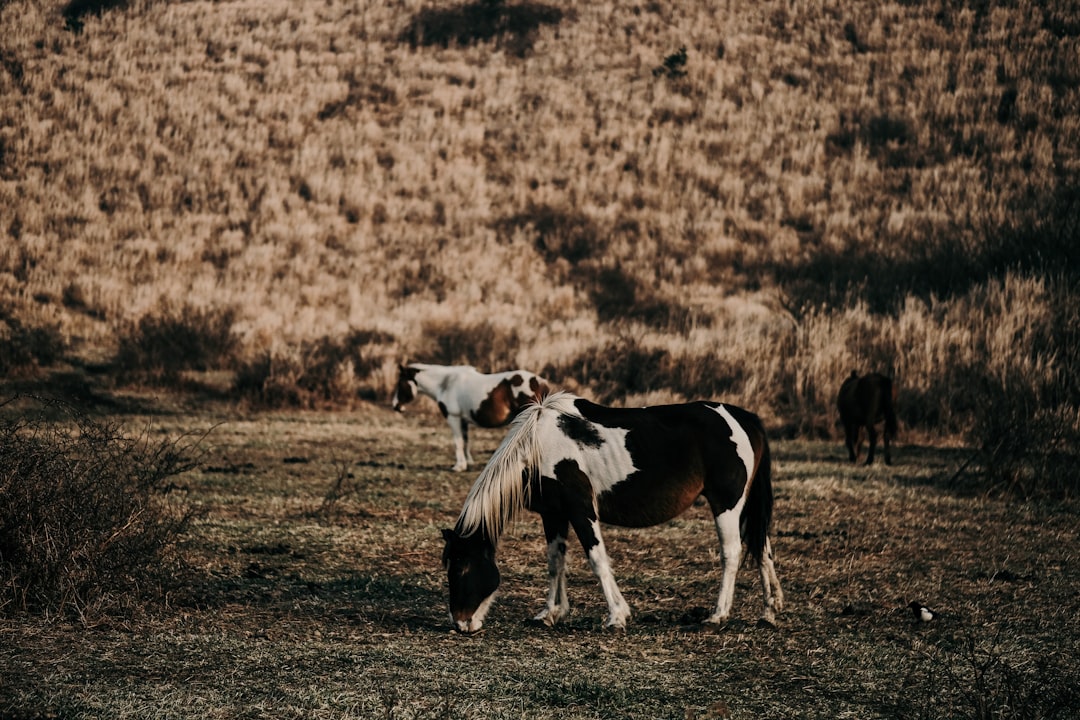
(937,259)
(159,347)
(327,371)
(480,343)
(512,25)
(1028,448)
(615,369)
(976,678)
(618,295)
(23,346)
(674,65)
(88,519)
(557,233)
(75,10)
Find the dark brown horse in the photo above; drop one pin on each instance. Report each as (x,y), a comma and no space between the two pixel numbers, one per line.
(865,402)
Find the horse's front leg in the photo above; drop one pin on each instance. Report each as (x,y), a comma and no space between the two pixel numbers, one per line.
(588,532)
(556,531)
(459,432)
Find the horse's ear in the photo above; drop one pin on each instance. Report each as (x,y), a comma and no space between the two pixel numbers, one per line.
(448,535)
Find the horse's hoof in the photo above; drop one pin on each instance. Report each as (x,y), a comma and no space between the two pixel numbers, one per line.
(766,624)
(467,633)
(547,619)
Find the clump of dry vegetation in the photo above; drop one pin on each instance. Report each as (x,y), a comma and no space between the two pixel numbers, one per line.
(755,199)
(87,524)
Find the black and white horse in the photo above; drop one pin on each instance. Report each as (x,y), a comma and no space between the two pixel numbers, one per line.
(865,402)
(578,464)
(465,395)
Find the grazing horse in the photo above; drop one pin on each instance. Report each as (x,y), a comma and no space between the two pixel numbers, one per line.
(467,396)
(578,464)
(865,402)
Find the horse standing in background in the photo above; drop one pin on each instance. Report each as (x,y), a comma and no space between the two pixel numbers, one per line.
(578,464)
(865,402)
(465,395)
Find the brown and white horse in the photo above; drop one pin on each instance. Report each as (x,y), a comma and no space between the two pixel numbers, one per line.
(578,464)
(865,402)
(465,395)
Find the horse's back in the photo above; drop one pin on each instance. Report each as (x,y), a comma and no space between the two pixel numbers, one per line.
(696,445)
(497,398)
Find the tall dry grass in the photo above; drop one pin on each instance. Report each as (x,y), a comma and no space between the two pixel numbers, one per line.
(813,188)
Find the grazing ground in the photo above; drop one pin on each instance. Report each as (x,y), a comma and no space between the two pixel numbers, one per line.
(316,592)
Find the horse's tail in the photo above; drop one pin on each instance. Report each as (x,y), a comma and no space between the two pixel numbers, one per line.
(502,489)
(757,512)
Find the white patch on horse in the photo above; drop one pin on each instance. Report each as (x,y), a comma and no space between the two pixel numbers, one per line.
(727,522)
(605,465)
(743,446)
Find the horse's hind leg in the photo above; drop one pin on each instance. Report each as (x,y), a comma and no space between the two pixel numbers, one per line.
(727,528)
(851,440)
(871,433)
(558,602)
(770,585)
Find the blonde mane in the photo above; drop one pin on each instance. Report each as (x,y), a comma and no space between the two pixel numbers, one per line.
(502,490)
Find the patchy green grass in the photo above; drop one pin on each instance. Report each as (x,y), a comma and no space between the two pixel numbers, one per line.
(316,592)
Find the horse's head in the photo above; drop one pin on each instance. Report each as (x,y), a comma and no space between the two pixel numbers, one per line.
(405,390)
(474,578)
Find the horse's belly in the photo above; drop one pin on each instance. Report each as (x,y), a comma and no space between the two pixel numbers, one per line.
(642,504)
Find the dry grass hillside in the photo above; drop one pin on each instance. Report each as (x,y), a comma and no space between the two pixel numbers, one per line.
(640,199)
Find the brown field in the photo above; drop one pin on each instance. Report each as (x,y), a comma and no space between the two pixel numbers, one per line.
(305,607)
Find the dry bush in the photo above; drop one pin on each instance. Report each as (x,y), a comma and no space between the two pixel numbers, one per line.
(975,677)
(89,519)
(619,296)
(483,344)
(513,25)
(1026,416)
(615,369)
(24,347)
(75,10)
(558,233)
(326,372)
(160,346)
